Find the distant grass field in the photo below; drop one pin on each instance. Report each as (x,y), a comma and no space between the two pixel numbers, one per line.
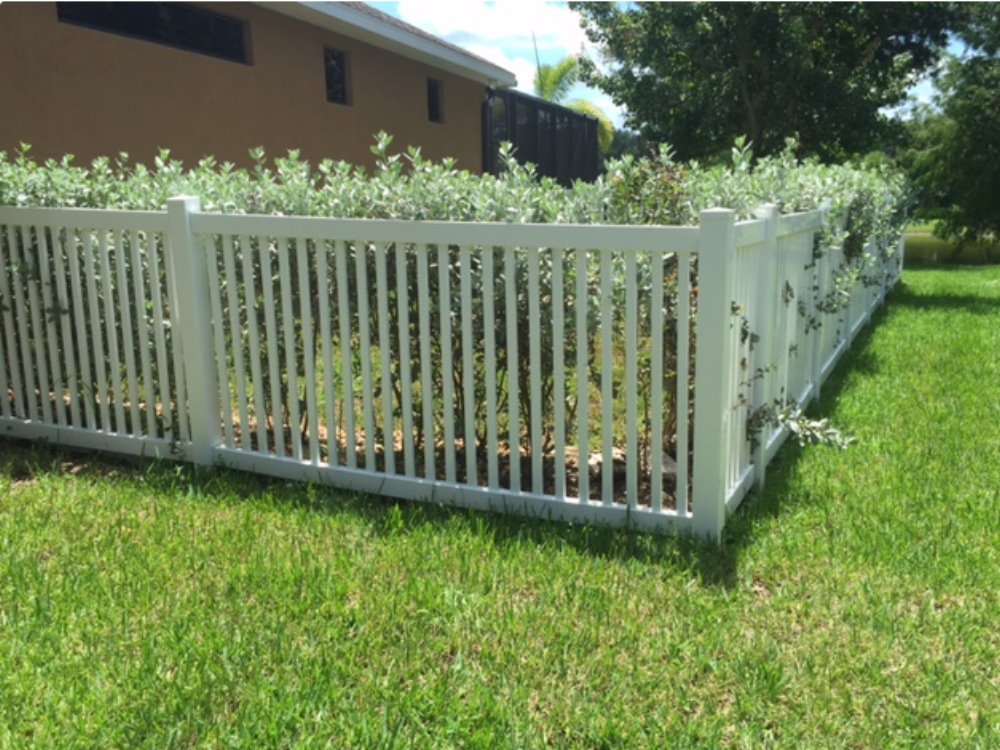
(854,604)
(923,247)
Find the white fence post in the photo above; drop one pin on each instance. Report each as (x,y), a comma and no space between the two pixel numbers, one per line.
(193,316)
(768,296)
(713,369)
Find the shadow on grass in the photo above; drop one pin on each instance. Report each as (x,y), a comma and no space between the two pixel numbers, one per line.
(975,304)
(715,565)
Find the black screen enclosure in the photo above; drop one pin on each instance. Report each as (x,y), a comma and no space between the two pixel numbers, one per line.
(561,142)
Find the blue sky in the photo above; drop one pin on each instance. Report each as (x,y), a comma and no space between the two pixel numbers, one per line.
(502,32)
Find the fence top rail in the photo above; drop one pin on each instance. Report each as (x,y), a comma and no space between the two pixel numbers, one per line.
(807,221)
(496,234)
(84,218)
(749,232)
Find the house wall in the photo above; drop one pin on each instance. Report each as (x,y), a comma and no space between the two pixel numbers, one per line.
(69,89)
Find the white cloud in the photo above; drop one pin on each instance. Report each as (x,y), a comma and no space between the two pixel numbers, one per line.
(522,67)
(507,25)
(501,32)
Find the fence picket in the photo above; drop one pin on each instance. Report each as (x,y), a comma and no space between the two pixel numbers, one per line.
(385,359)
(607,383)
(468,382)
(558,374)
(447,374)
(308,348)
(37,334)
(111,324)
(365,346)
(405,374)
(50,312)
(426,393)
(513,428)
(20,274)
(683,381)
(95,330)
(139,295)
(535,378)
(346,375)
(490,353)
(65,325)
(323,285)
(656,385)
(86,376)
(291,360)
(128,337)
(219,336)
(631,382)
(271,337)
(253,334)
(236,336)
(582,379)
(7,306)
(180,407)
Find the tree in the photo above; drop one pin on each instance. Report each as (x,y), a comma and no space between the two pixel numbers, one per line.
(698,75)
(553,83)
(955,158)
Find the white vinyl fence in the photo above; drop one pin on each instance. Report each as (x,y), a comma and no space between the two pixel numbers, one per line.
(592,373)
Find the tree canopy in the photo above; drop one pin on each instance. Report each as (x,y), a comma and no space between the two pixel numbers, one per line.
(955,157)
(698,75)
(553,82)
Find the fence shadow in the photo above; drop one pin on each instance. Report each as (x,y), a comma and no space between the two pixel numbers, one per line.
(970,303)
(714,565)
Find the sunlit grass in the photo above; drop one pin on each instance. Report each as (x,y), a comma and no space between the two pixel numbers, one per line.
(853,604)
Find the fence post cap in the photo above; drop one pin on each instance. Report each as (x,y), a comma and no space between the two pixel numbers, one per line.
(766,210)
(191,201)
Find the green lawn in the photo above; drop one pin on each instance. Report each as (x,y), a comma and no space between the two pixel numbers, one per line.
(854,604)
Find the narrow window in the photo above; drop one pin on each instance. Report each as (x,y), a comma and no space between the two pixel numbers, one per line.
(335,62)
(434,100)
(178,25)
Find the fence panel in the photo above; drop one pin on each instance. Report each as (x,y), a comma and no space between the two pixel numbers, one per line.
(546,369)
(85,309)
(502,371)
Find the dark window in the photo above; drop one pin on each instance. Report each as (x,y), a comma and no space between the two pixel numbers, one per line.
(335,62)
(173,24)
(434,100)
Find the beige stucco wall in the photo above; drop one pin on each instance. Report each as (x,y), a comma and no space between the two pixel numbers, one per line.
(68,89)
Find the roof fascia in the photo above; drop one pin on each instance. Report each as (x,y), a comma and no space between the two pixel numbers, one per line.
(346,20)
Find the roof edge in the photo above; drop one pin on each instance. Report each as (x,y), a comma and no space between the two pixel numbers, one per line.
(344,19)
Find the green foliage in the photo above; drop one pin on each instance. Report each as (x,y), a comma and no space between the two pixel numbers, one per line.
(955,153)
(647,190)
(696,75)
(553,82)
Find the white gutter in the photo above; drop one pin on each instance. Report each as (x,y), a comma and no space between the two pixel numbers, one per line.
(346,20)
